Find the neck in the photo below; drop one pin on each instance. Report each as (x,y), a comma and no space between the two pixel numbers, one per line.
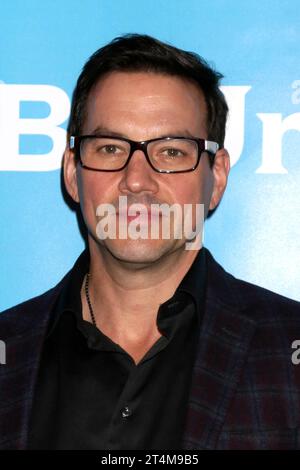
(125,297)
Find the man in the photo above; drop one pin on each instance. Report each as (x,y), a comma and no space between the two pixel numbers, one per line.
(146,343)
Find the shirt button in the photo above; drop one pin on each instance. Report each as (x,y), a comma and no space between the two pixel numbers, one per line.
(126,412)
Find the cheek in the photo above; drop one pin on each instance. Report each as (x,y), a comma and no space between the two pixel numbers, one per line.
(195,188)
(95,189)
(189,190)
(205,182)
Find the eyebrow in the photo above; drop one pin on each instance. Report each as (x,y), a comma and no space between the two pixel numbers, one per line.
(106,131)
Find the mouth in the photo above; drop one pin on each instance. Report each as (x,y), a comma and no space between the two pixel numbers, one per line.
(143,216)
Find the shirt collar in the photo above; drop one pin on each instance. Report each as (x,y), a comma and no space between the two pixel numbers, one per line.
(69,298)
(194,282)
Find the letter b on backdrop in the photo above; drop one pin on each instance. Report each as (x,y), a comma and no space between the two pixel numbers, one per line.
(12,126)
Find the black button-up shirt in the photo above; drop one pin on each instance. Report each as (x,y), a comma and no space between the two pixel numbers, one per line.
(90,394)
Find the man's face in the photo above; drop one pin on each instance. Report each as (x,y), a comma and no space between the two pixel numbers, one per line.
(142,106)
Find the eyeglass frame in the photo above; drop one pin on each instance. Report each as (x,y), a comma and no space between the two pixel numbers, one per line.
(208,146)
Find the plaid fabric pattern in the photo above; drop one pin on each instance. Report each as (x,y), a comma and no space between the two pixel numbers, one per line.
(245,391)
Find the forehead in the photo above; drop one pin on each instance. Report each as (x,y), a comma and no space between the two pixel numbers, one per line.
(145,99)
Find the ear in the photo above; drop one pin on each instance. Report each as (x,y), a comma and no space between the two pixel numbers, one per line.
(220,171)
(70,173)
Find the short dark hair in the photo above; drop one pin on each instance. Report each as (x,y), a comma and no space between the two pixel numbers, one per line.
(143,53)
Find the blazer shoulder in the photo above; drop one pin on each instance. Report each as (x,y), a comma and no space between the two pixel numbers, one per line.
(261,302)
(255,293)
(31,313)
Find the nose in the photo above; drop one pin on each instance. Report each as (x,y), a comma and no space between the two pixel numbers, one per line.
(138,175)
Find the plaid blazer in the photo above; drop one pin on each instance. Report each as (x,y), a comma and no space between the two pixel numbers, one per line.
(245,391)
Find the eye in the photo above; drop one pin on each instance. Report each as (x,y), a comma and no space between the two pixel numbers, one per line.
(172,152)
(112,149)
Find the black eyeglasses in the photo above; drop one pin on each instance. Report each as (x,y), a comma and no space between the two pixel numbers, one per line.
(164,155)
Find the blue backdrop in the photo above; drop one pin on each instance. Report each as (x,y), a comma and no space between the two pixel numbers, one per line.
(255,233)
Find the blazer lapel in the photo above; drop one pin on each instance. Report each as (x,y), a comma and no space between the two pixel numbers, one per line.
(222,350)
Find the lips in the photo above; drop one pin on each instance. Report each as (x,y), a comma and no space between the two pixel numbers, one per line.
(142,216)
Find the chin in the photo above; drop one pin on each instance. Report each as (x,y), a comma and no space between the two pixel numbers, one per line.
(139,251)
